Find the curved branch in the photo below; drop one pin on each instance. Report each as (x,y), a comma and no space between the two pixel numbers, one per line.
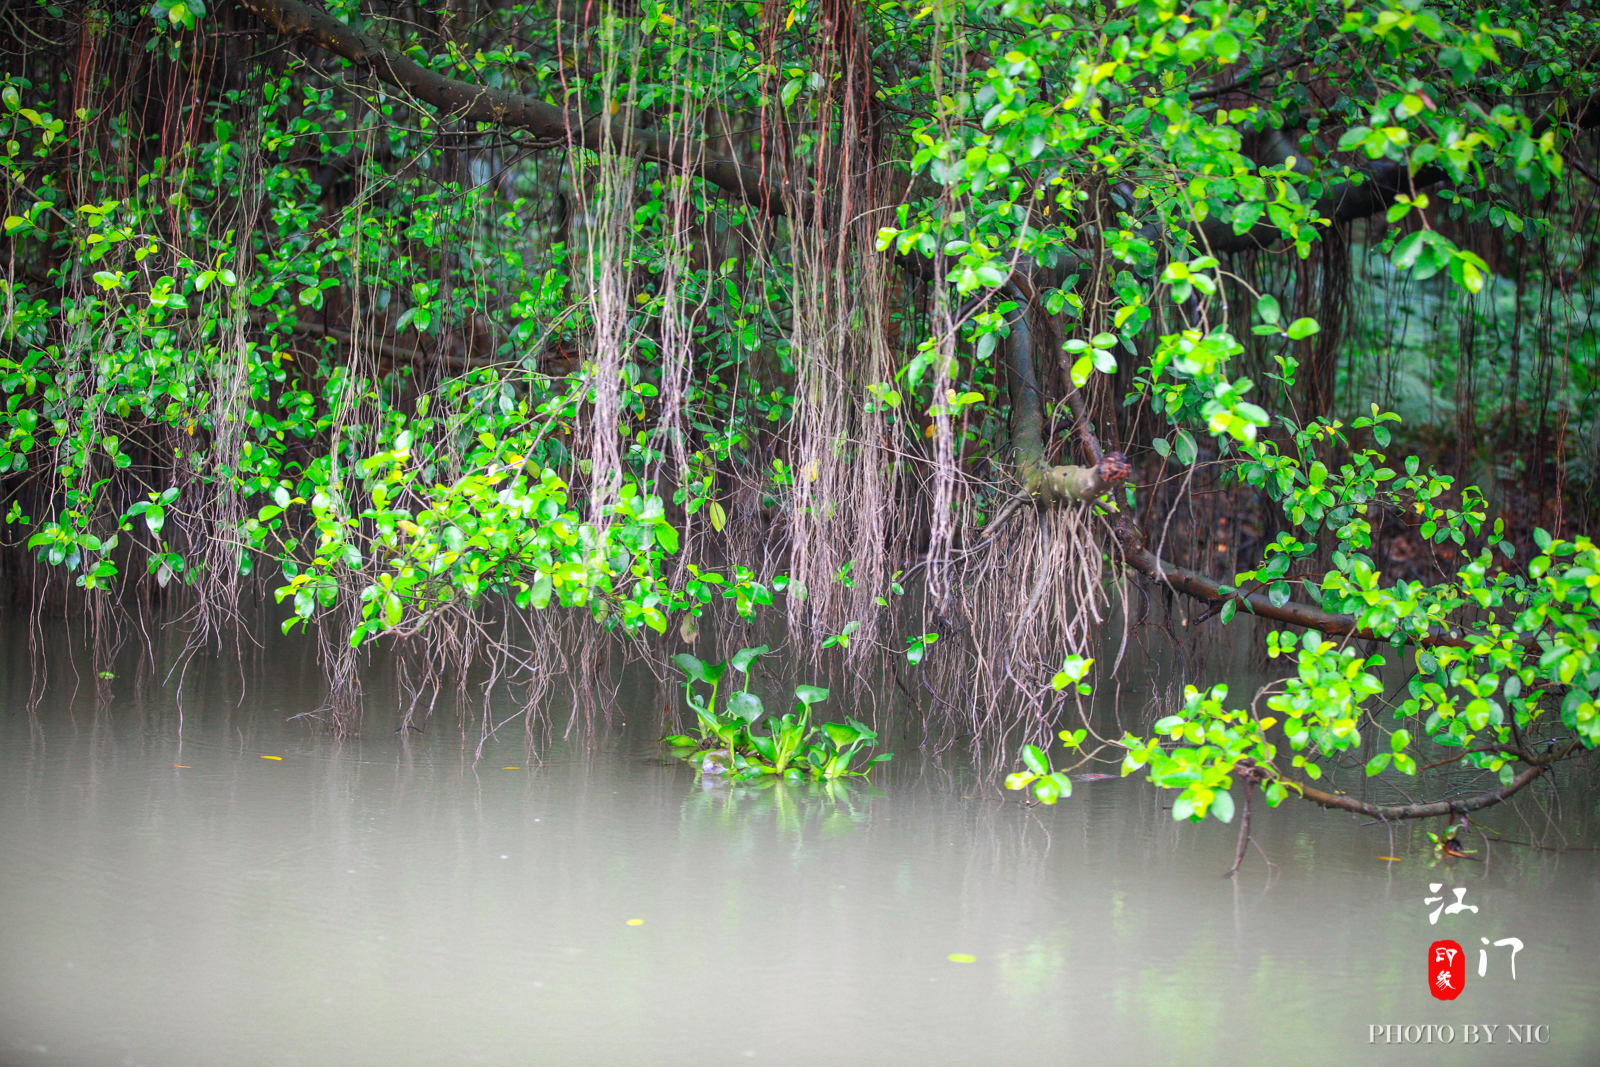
(1204,587)
(1438,808)
(480,103)
(392,350)
(1374,190)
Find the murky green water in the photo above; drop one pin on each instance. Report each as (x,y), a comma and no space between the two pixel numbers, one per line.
(389,901)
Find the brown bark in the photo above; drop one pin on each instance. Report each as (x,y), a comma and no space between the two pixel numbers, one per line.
(1393,812)
(465,102)
(1202,587)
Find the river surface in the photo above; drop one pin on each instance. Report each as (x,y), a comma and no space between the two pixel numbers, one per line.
(232,887)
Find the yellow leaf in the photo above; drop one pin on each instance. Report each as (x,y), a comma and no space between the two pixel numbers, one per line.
(183,766)
(511,768)
(635,922)
(961,957)
(790,23)
(278,758)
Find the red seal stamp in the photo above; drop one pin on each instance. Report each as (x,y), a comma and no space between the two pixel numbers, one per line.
(1447,970)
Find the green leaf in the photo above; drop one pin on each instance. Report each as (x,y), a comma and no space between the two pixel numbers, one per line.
(810,694)
(1046,791)
(1185,448)
(1303,328)
(1033,757)
(746,706)
(1267,307)
(1406,251)
(841,734)
(694,667)
(741,660)
(1222,806)
(1377,764)
(1081,371)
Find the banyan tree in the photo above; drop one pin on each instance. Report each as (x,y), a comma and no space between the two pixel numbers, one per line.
(983,345)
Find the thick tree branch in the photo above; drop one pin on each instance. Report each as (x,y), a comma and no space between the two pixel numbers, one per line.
(1202,587)
(1375,190)
(467,102)
(1046,484)
(1345,201)
(391,350)
(1436,809)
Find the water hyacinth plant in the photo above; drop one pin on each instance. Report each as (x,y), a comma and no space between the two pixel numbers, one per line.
(793,746)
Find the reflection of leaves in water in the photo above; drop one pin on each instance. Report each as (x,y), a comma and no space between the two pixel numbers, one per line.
(834,808)
(1038,969)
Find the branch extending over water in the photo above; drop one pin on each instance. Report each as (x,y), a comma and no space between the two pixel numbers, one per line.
(1537,766)
(1202,587)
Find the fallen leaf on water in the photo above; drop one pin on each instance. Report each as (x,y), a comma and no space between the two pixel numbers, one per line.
(278,758)
(635,922)
(511,768)
(185,766)
(1394,859)
(961,957)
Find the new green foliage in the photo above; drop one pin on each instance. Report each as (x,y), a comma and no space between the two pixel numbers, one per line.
(792,746)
